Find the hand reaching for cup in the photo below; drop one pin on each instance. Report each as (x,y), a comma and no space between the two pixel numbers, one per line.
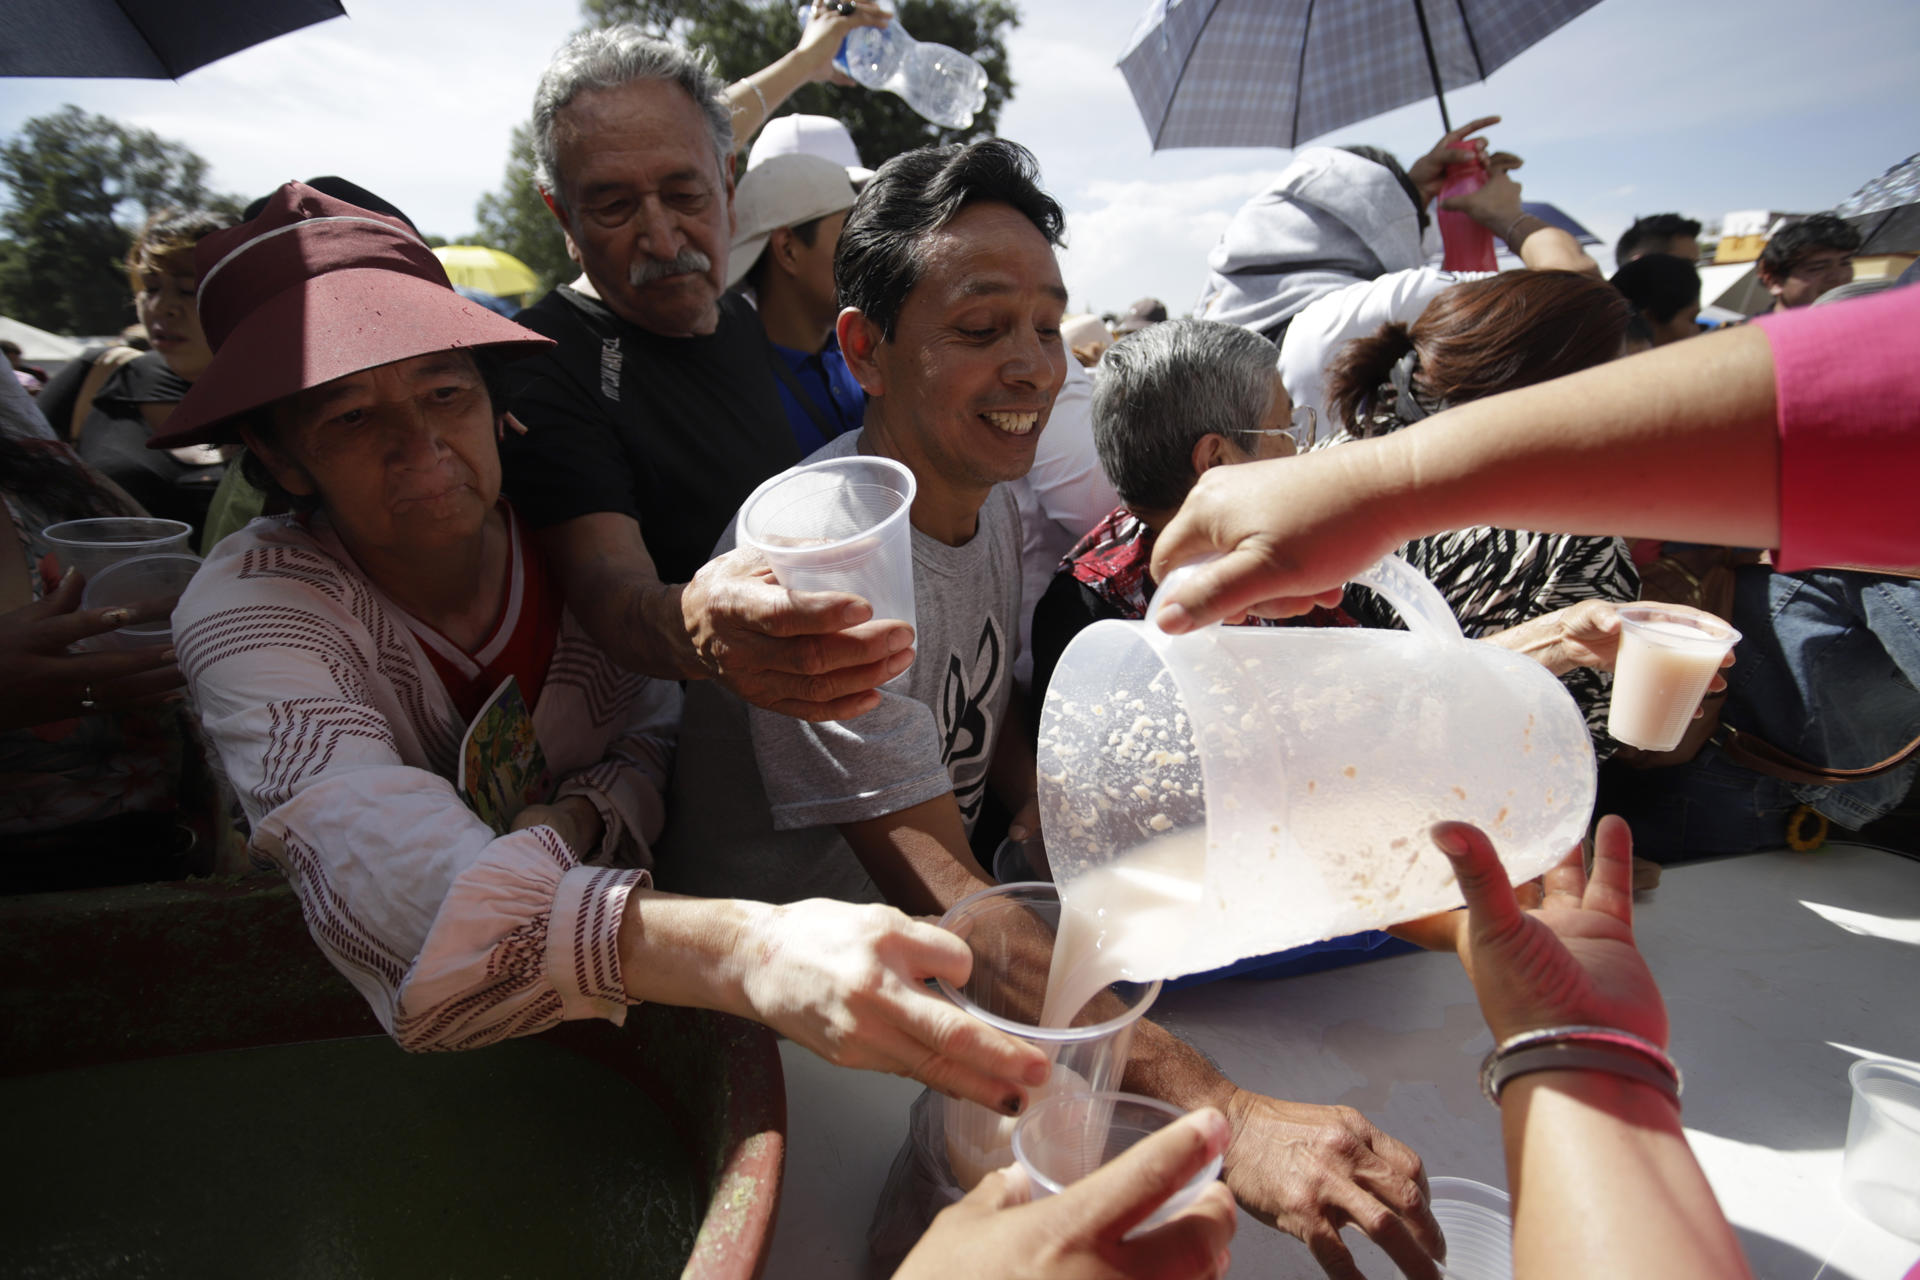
(46,682)
(1080,1234)
(849,983)
(1571,961)
(1585,635)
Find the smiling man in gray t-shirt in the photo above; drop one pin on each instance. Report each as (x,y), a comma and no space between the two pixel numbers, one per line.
(760,799)
(953,328)
(951,322)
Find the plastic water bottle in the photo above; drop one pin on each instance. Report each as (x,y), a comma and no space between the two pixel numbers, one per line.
(941,83)
(1469,246)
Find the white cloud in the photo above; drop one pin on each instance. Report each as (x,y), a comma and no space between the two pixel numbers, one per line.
(1128,239)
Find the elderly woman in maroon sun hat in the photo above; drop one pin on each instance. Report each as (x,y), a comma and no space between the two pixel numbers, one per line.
(340,654)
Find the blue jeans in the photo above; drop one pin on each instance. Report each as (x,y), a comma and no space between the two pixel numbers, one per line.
(1828,670)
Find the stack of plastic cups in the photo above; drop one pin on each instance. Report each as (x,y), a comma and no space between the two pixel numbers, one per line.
(1010,928)
(92,545)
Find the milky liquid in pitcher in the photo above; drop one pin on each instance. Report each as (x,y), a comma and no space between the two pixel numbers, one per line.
(1125,921)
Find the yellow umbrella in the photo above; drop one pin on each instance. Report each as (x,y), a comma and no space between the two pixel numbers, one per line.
(491,271)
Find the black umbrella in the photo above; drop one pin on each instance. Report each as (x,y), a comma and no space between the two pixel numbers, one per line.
(1274,73)
(1886,211)
(142,39)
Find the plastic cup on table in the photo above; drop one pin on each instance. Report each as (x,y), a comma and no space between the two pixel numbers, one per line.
(1477,1221)
(1010,929)
(135,581)
(1880,1176)
(838,525)
(1064,1139)
(91,545)
(1668,656)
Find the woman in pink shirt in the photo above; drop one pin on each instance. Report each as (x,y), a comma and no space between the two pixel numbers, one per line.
(1800,431)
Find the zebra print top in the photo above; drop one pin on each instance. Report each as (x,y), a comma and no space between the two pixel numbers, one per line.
(1499,578)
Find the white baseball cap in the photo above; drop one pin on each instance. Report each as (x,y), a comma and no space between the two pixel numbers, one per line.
(784,191)
(813,136)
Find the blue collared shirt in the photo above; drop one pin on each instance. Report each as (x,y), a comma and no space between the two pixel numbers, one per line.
(829,384)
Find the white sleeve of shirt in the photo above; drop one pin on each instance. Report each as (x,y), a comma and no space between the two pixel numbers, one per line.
(1059,499)
(1328,324)
(455,937)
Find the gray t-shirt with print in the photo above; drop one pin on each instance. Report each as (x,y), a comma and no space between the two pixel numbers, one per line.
(757,796)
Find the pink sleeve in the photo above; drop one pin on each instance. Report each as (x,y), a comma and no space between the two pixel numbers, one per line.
(1847,377)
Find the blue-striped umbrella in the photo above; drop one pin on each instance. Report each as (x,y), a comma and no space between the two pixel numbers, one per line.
(1274,73)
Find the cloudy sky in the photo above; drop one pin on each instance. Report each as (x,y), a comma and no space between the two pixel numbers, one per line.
(1637,106)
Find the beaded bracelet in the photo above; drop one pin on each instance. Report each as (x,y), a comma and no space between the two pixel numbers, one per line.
(1579,1049)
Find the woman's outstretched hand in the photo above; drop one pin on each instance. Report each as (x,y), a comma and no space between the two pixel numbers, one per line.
(849,982)
(1572,960)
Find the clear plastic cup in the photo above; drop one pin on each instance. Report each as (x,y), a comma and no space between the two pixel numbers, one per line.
(1881,1174)
(1010,929)
(1477,1221)
(136,581)
(1668,655)
(1013,861)
(92,545)
(838,525)
(1064,1139)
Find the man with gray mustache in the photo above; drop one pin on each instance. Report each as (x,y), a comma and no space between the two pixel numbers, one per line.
(657,412)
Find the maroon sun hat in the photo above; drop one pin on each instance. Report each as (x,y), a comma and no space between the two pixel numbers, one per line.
(314,289)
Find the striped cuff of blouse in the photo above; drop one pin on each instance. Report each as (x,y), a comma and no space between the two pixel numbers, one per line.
(583,940)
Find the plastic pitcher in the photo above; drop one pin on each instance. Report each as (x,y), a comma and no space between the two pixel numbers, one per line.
(1280,781)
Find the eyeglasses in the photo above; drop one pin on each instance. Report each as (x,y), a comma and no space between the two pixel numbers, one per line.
(1301,428)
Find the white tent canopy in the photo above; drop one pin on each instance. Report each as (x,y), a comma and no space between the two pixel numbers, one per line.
(38,345)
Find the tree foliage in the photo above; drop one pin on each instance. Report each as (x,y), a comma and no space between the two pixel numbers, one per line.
(744,36)
(78,187)
(517,220)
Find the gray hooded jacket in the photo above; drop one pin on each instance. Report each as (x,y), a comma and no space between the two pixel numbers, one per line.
(1331,219)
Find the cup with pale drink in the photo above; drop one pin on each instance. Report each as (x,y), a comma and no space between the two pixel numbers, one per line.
(1019,970)
(1668,657)
(1064,1139)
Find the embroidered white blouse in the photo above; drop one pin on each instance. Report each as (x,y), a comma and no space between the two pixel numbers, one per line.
(341,741)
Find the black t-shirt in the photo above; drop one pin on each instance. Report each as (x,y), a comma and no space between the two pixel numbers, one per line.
(145,379)
(113,440)
(675,432)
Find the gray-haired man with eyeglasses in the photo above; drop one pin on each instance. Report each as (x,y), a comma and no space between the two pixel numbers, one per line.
(1171,402)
